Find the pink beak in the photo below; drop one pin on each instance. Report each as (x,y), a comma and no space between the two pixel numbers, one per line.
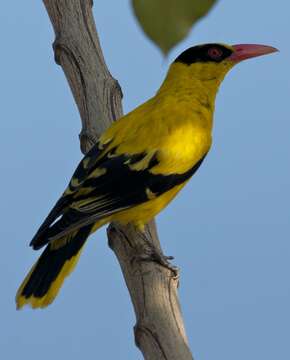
(247,51)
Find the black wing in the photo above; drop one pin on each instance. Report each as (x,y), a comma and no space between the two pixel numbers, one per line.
(117,188)
(112,185)
(82,171)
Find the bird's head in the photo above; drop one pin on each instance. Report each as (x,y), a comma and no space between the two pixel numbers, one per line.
(209,63)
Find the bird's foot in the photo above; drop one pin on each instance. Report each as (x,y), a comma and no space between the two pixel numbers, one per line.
(153,254)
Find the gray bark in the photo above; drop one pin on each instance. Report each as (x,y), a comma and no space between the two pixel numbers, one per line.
(159,329)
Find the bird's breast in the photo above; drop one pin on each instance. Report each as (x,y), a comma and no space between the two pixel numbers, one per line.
(183,146)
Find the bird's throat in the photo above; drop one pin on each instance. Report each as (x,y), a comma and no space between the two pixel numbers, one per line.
(190,96)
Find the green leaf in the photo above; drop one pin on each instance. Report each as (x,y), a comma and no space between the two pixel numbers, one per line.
(167,22)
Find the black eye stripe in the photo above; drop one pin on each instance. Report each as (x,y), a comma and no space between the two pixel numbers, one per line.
(204,53)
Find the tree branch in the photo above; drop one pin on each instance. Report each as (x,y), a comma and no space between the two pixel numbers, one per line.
(159,330)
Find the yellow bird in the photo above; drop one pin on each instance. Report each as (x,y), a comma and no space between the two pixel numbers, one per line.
(137,167)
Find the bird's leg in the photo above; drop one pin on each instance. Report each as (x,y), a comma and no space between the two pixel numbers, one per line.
(152,253)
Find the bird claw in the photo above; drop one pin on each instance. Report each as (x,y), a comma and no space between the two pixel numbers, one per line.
(153,254)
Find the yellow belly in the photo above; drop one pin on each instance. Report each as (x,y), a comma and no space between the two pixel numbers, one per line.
(143,213)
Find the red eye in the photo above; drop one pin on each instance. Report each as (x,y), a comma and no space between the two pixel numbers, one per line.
(215,53)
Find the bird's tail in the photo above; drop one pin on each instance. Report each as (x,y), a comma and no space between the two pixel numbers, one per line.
(46,277)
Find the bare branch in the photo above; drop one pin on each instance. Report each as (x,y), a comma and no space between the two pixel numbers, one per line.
(159,330)
(77,50)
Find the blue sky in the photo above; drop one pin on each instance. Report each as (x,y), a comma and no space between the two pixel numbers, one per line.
(228,230)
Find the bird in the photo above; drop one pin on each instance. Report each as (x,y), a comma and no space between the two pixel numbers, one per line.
(137,167)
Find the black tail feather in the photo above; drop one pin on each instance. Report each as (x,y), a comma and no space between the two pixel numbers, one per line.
(46,277)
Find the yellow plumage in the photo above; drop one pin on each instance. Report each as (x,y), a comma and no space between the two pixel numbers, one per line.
(138,166)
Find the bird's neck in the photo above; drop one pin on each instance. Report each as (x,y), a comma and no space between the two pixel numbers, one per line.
(197,81)
(191,91)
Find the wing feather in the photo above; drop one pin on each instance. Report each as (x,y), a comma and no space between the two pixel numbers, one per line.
(118,188)
(81,173)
